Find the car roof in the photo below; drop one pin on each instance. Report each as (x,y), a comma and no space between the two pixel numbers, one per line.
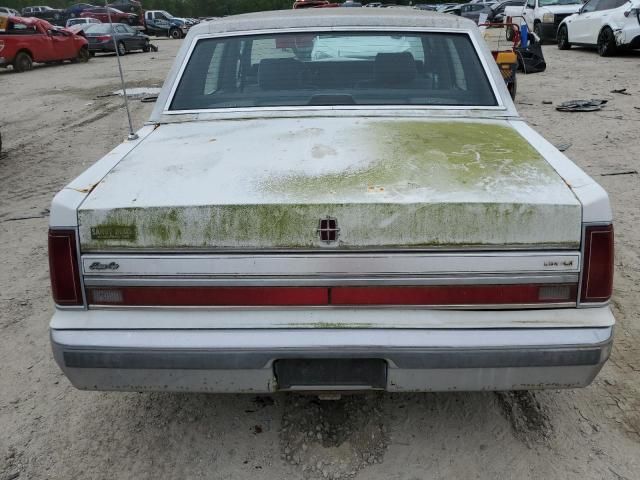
(332,17)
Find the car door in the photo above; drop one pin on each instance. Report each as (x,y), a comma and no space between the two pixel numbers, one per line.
(137,37)
(529,13)
(123,36)
(162,23)
(602,15)
(62,44)
(580,26)
(465,10)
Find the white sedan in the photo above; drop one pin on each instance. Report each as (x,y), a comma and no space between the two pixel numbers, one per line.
(609,25)
(380,218)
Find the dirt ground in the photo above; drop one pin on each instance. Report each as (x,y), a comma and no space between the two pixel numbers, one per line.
(56,121)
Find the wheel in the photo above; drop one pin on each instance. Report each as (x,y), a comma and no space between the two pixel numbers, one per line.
(146,47)
(563,38)
(23,62)
(607,43)
(122,50)
(509,34)
(175,33)
(537,29)
(83,55)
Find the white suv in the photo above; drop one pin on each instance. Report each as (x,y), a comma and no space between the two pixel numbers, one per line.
(609,25)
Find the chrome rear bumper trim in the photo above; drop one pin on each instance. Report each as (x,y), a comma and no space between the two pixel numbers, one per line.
(330,264)
(109,281)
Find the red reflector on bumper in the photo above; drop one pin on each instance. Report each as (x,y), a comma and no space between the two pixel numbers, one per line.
(342,296)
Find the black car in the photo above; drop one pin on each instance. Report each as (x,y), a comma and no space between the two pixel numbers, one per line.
(101,38)
(54,16)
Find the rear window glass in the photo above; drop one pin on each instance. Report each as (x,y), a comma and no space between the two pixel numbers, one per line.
(99,28)
(18,28)
(343,68)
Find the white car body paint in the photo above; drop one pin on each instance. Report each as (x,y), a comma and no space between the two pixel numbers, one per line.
(426,349)
(584,27)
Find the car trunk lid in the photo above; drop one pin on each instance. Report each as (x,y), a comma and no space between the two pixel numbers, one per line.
(376,183)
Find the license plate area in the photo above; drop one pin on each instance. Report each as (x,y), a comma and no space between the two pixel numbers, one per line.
(336,374)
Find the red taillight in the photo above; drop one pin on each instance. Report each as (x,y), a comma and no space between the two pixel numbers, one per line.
(597,265)
(480,295)
(63,268)
(103,38)
(209,296)
(453,295)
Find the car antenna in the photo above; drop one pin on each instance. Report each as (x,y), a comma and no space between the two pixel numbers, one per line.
(132,135)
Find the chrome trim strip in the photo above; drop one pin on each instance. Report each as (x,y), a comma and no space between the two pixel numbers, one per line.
(333,264)
(524,248)
(567,278)
(513,306)
(196,39)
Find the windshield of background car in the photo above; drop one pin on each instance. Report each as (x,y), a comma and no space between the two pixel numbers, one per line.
(549,3)
(334,69)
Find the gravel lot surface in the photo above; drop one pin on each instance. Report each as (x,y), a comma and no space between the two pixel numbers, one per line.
(56,121)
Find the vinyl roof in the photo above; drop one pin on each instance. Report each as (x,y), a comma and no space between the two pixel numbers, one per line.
(333,17)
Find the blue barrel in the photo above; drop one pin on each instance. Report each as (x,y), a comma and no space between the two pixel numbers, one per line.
(524,35)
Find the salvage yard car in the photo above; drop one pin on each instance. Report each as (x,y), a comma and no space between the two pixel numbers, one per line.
(127,39)
(113,15)
(24,41)
(608,25)
(290,220)
(543,16)
(162,24)
(53,15)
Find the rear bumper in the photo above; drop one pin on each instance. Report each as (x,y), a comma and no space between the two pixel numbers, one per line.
(417,359)
(101,47)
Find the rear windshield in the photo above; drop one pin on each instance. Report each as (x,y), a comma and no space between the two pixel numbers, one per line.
(99,28)
(344,68)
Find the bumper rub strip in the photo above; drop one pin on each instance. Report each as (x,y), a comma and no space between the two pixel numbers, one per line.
(407,358)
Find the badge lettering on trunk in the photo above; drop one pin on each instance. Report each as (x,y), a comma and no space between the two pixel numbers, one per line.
(113,232)
(104,266)
(328,230)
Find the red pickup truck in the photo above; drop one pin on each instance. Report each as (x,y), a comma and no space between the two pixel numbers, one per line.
(24,41)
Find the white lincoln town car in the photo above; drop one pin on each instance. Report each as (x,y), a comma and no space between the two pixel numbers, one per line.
(332,200)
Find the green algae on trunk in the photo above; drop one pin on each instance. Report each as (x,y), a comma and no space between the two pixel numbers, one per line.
(391,183)
(362,225)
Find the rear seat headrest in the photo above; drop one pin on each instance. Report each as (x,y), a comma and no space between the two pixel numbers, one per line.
(279,73)
(393,68)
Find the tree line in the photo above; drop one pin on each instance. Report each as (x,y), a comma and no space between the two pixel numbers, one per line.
(187,8)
